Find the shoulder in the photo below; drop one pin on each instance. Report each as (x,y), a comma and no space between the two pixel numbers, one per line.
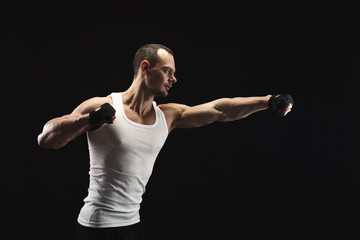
(172,112)
(172,108)
(92,104)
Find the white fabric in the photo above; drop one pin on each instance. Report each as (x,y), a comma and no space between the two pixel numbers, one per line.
(122,156)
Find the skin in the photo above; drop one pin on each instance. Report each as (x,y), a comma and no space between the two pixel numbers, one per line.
(150,82)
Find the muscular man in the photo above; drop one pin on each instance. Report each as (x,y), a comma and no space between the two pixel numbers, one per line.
(125,133)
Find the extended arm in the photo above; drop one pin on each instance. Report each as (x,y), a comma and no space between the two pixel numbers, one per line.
(223,110)
(59,131)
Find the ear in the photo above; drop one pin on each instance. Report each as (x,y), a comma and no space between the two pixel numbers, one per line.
(144,66)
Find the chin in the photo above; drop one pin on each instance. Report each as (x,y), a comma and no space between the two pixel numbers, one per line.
(164,93)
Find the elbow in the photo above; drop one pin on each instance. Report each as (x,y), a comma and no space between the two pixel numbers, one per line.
(42,142)
(46,142)
(49,139)
(224,110)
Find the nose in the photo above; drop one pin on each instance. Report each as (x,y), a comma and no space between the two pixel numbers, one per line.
(173,79)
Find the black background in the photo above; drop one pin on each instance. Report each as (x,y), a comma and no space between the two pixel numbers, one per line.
(260,176)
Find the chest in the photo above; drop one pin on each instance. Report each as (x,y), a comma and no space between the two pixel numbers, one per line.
(147,119)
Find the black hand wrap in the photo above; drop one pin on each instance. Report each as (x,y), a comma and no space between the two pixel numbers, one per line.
(102,115)
(279,102)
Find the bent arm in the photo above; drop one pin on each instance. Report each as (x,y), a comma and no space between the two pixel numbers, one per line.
(223,110)
(60,131)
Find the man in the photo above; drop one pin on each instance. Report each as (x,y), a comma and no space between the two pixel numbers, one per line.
(122,154)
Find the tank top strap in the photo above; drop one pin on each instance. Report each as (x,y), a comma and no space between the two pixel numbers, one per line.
(161,116)
(117,100)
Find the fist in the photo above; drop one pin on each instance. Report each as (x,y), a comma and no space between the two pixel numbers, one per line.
(104,114)
(281,104)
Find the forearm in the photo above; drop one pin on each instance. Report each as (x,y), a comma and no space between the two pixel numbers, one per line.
(59,131)
(231,109)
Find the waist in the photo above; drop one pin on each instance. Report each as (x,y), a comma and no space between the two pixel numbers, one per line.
(119,189)
(112,201)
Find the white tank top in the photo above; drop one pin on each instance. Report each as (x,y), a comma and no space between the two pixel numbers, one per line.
(122,156)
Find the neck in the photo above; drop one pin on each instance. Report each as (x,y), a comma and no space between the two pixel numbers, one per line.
(138,98)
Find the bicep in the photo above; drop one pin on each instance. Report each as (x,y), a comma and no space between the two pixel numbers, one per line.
(183,116)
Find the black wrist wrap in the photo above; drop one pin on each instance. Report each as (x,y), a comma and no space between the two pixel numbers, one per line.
(279,102)
(102,115)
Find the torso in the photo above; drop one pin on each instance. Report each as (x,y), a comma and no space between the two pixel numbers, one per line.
(122,156)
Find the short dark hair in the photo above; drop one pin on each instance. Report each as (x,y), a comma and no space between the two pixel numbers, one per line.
(148,52)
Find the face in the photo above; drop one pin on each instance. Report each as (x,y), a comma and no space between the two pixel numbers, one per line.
(161,77)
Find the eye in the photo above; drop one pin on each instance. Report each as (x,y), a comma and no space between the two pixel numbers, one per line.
(167,70)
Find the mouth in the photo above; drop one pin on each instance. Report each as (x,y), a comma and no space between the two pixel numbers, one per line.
(168,87)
